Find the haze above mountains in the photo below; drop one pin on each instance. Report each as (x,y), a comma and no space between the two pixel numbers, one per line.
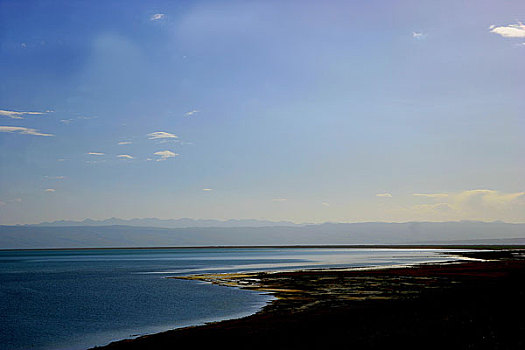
(194,233)
(168,223)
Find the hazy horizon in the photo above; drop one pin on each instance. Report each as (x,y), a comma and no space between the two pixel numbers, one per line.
(265,221)
(296,111)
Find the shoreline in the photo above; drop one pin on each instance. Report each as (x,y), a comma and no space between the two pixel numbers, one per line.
(238,279)
(336,246)
(320,301)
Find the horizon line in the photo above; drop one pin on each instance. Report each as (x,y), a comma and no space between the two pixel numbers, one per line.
(80,222)
(298,246)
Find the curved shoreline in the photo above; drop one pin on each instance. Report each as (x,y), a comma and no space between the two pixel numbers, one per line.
(242,280)
(311,306)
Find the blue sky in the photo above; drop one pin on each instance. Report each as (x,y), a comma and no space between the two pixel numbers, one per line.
(283,110)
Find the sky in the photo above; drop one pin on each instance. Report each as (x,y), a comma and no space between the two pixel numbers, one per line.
(308,111)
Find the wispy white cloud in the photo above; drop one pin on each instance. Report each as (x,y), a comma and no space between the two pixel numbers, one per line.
(484,197)
(419,36)
(157,16)
(190,113)
(70,120)
(384,195)
(279,200)
(439,207)
(161,135)
(49,190)
(15,200)
(96,153)
(487,198)
(207,189)
(126,156)
(431,195)
(326,204)
(18,115)
(55,177)
(124,143)
(477,204)
(22,130)
(165,155)
(509,31)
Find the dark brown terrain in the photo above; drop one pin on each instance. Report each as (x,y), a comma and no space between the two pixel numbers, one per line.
(466,305)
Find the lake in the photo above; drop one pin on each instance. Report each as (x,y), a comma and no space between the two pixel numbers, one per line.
(75,299)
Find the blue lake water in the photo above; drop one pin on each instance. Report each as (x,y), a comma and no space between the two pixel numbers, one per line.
(75,299)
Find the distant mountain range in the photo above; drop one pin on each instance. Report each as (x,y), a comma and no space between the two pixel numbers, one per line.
(170,223)
(373,233)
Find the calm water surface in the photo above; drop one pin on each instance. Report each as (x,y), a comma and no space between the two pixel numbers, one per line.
(75,299)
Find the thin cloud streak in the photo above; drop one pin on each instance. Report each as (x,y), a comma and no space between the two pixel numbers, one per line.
(17,115)
(55,177)
(14,200)
(161,135)
(22,130)
(431,195)
(70,120)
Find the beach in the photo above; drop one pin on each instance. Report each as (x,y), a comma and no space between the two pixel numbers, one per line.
(473,304)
